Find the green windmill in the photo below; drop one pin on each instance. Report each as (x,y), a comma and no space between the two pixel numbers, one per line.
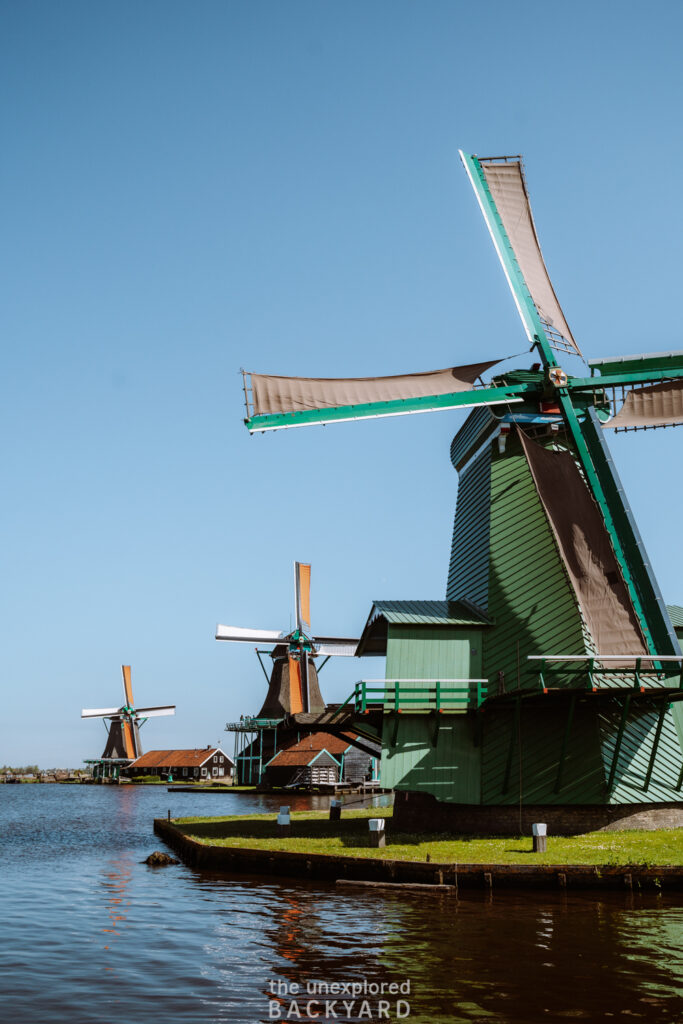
(546,685)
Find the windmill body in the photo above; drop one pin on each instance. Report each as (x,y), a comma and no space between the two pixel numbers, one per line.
(549,680)
(123,730)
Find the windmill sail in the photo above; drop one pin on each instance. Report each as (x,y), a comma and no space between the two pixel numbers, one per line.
(657,405)
(586,550)
(272,394)
(279,402)
(506,187)
(302,596)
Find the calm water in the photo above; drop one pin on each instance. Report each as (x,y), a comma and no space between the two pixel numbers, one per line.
(90,935)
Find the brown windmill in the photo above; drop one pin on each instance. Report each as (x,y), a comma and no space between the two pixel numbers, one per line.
(123,736)
(293,686)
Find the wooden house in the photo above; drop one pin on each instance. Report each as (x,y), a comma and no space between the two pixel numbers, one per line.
(195,764)
(322,759)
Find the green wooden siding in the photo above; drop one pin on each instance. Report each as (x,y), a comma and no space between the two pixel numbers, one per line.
(433,652)
(468,573)
(532,766)
(634,755)
(451,770)
(531,600)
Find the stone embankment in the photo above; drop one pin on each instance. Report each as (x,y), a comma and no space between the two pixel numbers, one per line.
(449,878)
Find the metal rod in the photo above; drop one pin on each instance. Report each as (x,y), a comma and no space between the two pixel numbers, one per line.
(258,655)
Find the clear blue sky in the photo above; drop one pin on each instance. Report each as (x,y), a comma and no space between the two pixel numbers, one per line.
(188,188)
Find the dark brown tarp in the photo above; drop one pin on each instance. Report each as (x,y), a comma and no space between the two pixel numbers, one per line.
(272,394)
(507,187)
(586,552)
(657,405)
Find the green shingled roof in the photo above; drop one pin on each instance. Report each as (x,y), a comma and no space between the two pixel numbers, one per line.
(676,615)
(373,640)
(430,613)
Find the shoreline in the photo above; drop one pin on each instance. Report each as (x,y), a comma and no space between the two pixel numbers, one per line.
(407,874)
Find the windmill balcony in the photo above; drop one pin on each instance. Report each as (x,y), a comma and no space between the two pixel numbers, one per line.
(637,674)
(417,695)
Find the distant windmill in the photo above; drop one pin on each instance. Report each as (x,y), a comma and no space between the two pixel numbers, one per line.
(293,685)
(123,740)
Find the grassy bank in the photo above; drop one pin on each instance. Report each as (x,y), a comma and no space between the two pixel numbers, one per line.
(312,832)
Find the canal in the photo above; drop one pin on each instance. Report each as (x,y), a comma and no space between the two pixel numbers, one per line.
(91,935)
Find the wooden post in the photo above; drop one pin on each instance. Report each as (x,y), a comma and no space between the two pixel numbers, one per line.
(335,810)
(540,840)
(283,822)
(377,837)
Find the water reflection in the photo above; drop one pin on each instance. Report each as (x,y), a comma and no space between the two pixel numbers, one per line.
(509,958)
(115,883)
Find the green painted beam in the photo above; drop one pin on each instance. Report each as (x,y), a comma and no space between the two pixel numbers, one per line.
(512,744)
(400,407)
(617,745)
(655,744)
(623,378)
(565,741)
(647,361)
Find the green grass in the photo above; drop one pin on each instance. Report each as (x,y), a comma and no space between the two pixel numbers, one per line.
(312,832)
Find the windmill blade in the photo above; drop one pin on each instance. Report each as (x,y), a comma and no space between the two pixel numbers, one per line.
(249,636)
(302,596)
(99,712)
(281,402)
(500,188)
(657,405)
(127,687)
(157,712)
(335,647)
(128,738)
(296,703)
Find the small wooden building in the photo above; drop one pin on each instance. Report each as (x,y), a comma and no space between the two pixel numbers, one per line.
(322,759)
(199,764)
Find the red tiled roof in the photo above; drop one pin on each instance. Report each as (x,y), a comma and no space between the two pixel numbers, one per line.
(177,758)
(324,741)
(292,757)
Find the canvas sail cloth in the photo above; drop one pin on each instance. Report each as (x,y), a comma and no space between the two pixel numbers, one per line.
(271,394)
(586,552)
(658,405)
(508,190)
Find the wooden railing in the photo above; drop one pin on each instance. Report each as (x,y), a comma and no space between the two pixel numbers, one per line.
(667,668)
(404,695)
